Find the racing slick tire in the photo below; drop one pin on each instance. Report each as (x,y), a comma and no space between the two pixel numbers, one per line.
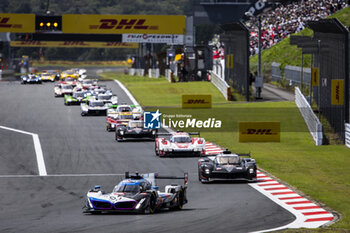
(83,114)
(180,201)
(108,128)
(152,204)
(156,151)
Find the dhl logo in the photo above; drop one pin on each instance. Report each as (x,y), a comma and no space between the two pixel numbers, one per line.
(4,23)
(80,43)
(138,24)
(259,132)
(30,42)
(196,101)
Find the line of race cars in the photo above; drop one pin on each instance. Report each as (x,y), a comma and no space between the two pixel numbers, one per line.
(139,192)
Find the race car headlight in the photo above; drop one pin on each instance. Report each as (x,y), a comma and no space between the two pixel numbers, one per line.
(140,203)
(251,170)
(69,100)
(121,132)
(153,132)
(207,171)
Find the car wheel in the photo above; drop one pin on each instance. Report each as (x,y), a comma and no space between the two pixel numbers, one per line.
(199,175)
(156,151)
(152,204)
(83,114)
(108,128)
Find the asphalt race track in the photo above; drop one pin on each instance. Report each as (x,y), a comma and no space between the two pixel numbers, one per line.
(79,153)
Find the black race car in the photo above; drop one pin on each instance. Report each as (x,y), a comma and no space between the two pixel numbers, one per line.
(226,166)
(134,129)
(139,194)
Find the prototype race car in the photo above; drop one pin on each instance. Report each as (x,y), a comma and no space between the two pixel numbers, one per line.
(63,89)
(30,78)
(226,166)
(113,120)
(134,129)
(108,97)
(139,194)
(45,76)
(75,98)
(180,143)
(95,107)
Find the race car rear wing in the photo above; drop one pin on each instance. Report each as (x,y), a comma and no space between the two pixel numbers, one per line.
(169,134)
(152,177)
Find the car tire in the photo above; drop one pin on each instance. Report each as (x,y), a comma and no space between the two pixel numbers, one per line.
(180,201)
(152,204)
(156,151)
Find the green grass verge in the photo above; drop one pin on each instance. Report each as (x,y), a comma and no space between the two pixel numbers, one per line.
(321,172)
(159,92)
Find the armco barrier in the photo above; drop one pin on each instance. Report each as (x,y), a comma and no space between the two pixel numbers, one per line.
(221,85)
(347,134)
(311,120)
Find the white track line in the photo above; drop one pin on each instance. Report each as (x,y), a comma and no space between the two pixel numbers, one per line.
(127,92)
(37,147)
(58,175)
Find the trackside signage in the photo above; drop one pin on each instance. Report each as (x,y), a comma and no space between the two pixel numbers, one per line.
(153,38)
(337,92)
(259,131)
(73,44)
(196,101)
(119,24)
(17,23)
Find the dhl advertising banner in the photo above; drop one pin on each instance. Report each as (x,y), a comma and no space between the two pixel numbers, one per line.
(119,24)
(315,77)
(259,131)
(21,23)
(73,44)
(196,101)
(337,92)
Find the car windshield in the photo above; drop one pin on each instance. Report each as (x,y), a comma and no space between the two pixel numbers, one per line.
(104,97)
(78,94)
(227,159)
(124,109)
(123,117)
(87,82)
(127,188)
(135,124)
(69,87)
(97,104)
(182,139)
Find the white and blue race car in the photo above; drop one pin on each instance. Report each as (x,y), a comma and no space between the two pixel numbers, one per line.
(139,194)
(30,79)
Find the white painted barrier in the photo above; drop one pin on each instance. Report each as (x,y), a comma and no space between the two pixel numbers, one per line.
(221,85)
(311,120)
(153,73)
(347,134)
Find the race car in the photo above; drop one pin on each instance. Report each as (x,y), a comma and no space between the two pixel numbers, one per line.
(226,166)
(134,130)
(75,98)
(136,110)
(69,74)
(86,83)
(63,89)
(30,79)
(138,194)
(180,143)
(108,98)
(114,120)
(46,76)
(95,107)
(69,81)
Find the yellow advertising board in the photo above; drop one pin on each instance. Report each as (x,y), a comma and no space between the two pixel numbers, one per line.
(337,92)
(73,44)
(196,101)
(315,77)
(259,131)
(119,24)
(20,23)
(231,61)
